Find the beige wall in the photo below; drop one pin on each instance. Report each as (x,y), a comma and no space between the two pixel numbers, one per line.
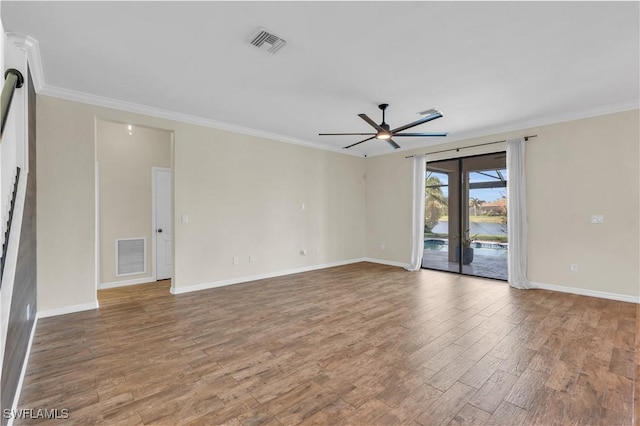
(243,195)
(244,198)
(125,205)
(574,169)
(65,205)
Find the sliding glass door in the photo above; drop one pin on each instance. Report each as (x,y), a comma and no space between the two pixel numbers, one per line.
(466,216)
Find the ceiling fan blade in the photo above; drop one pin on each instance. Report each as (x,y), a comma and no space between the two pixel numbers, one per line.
(421,134)
(436,114)
(373,124)
(372,137)
(393,144)
(346,134)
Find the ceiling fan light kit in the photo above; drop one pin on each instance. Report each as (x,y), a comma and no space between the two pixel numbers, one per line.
(384,131)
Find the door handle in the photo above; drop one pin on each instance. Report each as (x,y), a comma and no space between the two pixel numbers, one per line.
(159,230)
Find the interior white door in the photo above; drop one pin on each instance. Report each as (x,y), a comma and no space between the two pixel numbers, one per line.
(164,223)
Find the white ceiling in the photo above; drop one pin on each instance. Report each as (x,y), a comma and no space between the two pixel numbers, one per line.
(488,66)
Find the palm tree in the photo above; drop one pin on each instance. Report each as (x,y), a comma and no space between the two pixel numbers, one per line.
(475,203)
(435,204)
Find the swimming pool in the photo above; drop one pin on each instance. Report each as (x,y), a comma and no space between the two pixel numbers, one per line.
(480,248)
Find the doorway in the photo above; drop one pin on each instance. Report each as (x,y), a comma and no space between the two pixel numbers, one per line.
(466,216)
(128,158)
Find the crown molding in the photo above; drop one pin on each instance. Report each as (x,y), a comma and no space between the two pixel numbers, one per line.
(552,119)
(135,108)
(32,49)
(528,124)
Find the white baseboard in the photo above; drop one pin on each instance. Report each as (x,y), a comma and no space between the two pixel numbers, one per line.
(240,280)
(16,397)
(124,283)
(68,310)
(386,262)
(585,292)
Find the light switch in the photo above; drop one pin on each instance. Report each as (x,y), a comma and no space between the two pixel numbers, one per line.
(184,218)
(597,218)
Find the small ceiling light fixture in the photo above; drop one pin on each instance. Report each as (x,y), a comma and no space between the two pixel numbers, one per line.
(384,135)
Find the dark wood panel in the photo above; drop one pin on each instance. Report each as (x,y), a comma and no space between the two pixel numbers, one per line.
(359,344)
(636,400)
(25,286)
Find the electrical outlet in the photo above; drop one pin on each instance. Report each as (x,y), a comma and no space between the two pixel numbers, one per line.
(597,218)
(574,267)
(382,246)
(236,260)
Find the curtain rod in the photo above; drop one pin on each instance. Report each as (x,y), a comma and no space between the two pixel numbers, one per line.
(526,138)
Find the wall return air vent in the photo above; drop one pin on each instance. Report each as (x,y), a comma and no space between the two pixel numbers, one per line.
(267,41)
(131,256)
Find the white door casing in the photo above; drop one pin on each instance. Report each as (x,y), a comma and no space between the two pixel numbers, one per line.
(163,222)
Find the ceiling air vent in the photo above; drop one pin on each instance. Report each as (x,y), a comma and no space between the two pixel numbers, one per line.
(266,41)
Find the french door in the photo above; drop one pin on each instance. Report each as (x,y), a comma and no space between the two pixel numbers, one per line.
(466,216)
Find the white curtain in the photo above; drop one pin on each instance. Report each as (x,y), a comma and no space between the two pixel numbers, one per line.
(419,170)
(517,214)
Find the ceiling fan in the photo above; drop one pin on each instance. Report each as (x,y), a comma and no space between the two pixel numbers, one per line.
(384,132)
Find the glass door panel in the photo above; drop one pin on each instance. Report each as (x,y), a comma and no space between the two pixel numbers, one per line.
(442,215)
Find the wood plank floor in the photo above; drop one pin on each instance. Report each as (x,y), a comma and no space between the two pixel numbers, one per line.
(362,344)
